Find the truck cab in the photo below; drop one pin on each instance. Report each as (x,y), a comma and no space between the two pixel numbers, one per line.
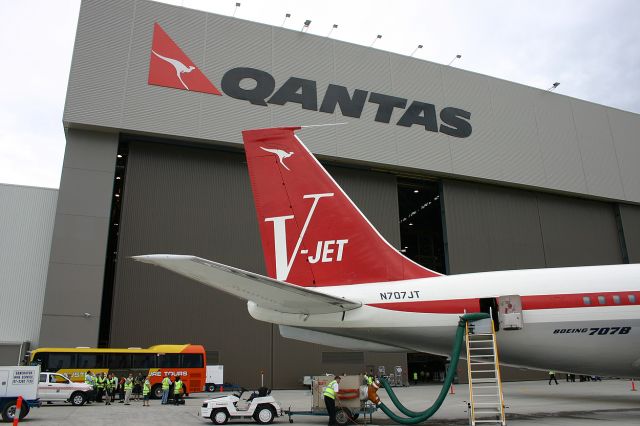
(54,387)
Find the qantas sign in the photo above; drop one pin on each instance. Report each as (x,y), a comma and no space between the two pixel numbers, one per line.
(170,67)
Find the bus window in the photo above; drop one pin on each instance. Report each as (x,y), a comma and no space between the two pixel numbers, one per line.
(119,361)
(59,360)
(168,360)
(88,361)
(192,361)
(144,360)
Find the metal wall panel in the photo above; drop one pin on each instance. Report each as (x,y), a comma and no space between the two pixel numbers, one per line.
(625,128)
(100,57)
(578,232)
(9,353)
(517,137)
(199,201)
(490,228)
(26,226)
(416,146)
(476,155)
(78,246)
(595,141)
(630,220)
(559,143)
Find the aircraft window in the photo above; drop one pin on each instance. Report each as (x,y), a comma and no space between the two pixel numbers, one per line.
(616,299)
(586,300)
(632,298)
(601,300)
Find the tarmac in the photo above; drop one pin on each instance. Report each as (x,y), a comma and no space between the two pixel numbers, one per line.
(529,403)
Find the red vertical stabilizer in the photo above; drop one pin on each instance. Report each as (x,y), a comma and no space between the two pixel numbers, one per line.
(312,233)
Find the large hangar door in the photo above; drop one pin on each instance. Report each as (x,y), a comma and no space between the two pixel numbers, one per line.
(490,228)
(188,201)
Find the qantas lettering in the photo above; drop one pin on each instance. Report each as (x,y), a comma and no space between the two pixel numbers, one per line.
(455,121)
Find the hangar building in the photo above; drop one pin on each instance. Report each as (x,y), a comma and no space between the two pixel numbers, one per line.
(461,171)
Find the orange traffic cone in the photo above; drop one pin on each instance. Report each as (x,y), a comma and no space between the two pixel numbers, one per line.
(16,414)
(221,388)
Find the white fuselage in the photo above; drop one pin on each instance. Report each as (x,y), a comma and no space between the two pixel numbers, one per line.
(561,331)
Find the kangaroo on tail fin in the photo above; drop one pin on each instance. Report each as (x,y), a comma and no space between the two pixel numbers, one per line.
(312,233)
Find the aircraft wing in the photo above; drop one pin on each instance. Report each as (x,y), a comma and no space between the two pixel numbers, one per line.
(264,291)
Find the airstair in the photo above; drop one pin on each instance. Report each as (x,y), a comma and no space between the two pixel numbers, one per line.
(486,403)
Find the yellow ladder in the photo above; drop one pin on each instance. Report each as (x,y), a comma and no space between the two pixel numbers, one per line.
(486,402)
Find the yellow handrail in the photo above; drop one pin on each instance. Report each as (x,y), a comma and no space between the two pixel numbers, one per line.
(471,404)
(497,361)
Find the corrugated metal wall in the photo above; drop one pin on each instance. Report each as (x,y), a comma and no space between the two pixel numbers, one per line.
(198,201)
(521,135)
(491,228)
(630,221)
(26,226)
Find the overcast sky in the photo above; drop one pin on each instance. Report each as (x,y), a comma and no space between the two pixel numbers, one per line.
(591,47)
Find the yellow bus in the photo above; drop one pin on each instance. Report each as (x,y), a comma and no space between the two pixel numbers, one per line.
(159,361)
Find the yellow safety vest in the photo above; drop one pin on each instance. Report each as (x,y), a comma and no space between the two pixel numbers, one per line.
(329,391)
(146,389)
(166,383)
(177,387)
(128,385)
(100,382)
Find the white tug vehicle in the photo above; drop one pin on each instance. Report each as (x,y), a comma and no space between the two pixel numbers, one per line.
(260,406)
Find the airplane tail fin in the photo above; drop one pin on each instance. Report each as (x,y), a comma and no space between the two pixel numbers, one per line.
(312,233)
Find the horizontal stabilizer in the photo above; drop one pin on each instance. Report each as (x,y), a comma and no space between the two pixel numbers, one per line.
(264,291)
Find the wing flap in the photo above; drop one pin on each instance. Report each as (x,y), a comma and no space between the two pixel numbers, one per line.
(264,291)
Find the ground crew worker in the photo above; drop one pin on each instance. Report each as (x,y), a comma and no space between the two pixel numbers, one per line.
(90,380)
(166,385)
(128,389)
(552,376)
(415,377)
(368,379)
(108,384)
(146,391)
(330,394)
(100,386)
(177,390)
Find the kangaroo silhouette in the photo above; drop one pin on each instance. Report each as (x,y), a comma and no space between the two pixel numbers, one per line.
(179,66)
(281,155)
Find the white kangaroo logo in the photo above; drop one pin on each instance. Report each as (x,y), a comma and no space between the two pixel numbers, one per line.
(281,155)
(179,66)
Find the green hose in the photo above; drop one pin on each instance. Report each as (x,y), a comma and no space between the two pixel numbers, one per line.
(417,417)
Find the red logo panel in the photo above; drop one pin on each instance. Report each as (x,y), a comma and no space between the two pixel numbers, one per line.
(170,67)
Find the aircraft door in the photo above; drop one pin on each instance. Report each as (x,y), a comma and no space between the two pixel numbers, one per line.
(490,306)
(510,312)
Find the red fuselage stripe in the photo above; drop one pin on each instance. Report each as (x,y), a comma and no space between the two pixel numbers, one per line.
(547,301)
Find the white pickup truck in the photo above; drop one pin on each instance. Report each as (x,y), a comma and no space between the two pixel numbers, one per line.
(14,382)
(54,387)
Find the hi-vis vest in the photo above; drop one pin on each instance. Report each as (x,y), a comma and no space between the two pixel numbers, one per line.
(329,391)
(369,379)
(166,383)
(100,382)
(177,387)
(88,379)
(146,389)
(128,385)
